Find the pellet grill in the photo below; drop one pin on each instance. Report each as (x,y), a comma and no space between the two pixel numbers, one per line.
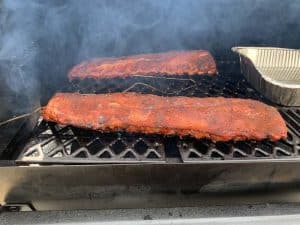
(48,166)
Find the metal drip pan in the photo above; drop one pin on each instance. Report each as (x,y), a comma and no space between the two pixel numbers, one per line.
(274,72)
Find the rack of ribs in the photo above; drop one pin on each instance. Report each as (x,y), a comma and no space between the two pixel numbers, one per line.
(196,62)
(218,118)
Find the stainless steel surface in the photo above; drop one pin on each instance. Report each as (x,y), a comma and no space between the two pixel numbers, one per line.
(234,214)
(149,185)
(261,220)
(275,72)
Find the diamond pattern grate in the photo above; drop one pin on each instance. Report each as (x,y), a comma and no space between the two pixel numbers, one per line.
(65,144)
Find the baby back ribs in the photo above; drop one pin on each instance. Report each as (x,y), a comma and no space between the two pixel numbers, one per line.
(195,62)
(218,119)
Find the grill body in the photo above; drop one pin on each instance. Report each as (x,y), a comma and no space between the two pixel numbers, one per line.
(51,167)
(149,185)
(182,172)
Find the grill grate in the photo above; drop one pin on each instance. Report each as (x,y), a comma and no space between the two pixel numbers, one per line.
(66,144)
(56,144)
(193,150)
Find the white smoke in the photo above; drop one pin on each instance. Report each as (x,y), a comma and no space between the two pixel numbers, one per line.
(41,40)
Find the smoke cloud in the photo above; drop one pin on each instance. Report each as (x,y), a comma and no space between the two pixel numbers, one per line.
(41,40)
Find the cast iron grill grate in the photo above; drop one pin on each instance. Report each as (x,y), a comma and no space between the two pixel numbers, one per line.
(193,150)
(66,144)
(51,143)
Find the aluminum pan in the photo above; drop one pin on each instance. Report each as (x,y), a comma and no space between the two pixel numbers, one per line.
(275,72)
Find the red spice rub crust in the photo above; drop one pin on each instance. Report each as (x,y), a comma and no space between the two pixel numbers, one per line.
(219,119)
(195,62)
